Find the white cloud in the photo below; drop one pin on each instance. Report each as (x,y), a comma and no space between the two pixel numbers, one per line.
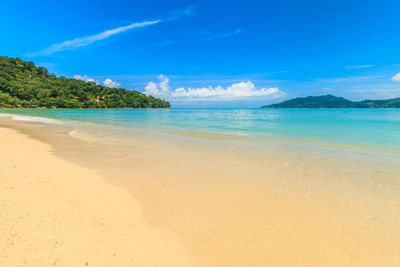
(228,34)
(83,78)
(111,83)
(355,67)
(151,89)
(88,40)
(107,82)
(164,83)
(235,91)
(396,78)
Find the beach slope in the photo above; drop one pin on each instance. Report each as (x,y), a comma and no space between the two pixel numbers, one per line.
(53,212)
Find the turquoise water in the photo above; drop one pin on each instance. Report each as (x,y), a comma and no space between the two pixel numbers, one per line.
(289,179)
(376,127)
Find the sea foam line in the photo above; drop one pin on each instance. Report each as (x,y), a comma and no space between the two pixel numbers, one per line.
(29,118)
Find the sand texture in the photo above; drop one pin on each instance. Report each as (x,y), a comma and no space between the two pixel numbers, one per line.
(53,212)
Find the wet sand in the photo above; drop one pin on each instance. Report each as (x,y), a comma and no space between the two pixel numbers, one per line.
(230,205)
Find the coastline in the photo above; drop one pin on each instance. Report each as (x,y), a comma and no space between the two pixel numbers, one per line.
(57,213)
(230,208)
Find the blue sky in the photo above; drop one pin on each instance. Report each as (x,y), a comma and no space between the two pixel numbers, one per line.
(214,53)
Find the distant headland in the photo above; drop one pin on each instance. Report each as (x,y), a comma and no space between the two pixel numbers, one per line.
(331,101)
(24,85)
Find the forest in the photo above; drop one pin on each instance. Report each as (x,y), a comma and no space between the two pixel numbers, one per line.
(331,101)
(24,85)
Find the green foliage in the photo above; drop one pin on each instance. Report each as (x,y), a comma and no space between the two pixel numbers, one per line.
(330,101)
(23,85)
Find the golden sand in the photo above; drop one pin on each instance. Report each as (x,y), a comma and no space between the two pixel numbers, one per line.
(56,213)
(229,206)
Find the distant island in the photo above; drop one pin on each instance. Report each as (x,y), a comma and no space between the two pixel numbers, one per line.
(23,85)
(330,101)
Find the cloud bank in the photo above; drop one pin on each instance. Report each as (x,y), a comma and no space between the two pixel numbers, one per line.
(236,91)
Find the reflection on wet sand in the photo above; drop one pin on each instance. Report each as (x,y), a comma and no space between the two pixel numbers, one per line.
(238,202)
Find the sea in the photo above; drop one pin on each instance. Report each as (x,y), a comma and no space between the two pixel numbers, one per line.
(246,187)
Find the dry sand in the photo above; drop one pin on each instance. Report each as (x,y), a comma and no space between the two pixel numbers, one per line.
(53,212)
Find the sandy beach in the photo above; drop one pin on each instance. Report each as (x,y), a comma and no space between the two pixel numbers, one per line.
(56,213)
(200,133)
(134,200)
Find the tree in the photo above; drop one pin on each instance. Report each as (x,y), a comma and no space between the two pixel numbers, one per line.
(22,84)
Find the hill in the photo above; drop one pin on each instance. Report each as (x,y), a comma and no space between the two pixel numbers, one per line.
(330,101)
(23,85)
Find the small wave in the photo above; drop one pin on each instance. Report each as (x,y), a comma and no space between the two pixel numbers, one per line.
(209,135)
(29,118)
(81,136)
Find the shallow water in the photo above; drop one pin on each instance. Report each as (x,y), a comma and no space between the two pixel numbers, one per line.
(380,127)
(248,187)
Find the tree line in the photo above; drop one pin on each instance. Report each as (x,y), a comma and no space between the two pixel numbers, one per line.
(24,85)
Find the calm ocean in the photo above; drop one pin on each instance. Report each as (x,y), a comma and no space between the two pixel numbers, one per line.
(242,185)
(374,127)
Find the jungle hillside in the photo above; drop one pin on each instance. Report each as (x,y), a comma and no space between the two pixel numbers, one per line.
(24,85)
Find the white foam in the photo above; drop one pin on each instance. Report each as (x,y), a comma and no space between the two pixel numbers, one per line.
(29,118)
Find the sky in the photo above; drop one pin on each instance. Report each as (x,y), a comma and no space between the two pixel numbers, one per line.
(214,53)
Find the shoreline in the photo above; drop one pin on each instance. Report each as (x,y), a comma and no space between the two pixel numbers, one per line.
(57,213)
(232,208)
